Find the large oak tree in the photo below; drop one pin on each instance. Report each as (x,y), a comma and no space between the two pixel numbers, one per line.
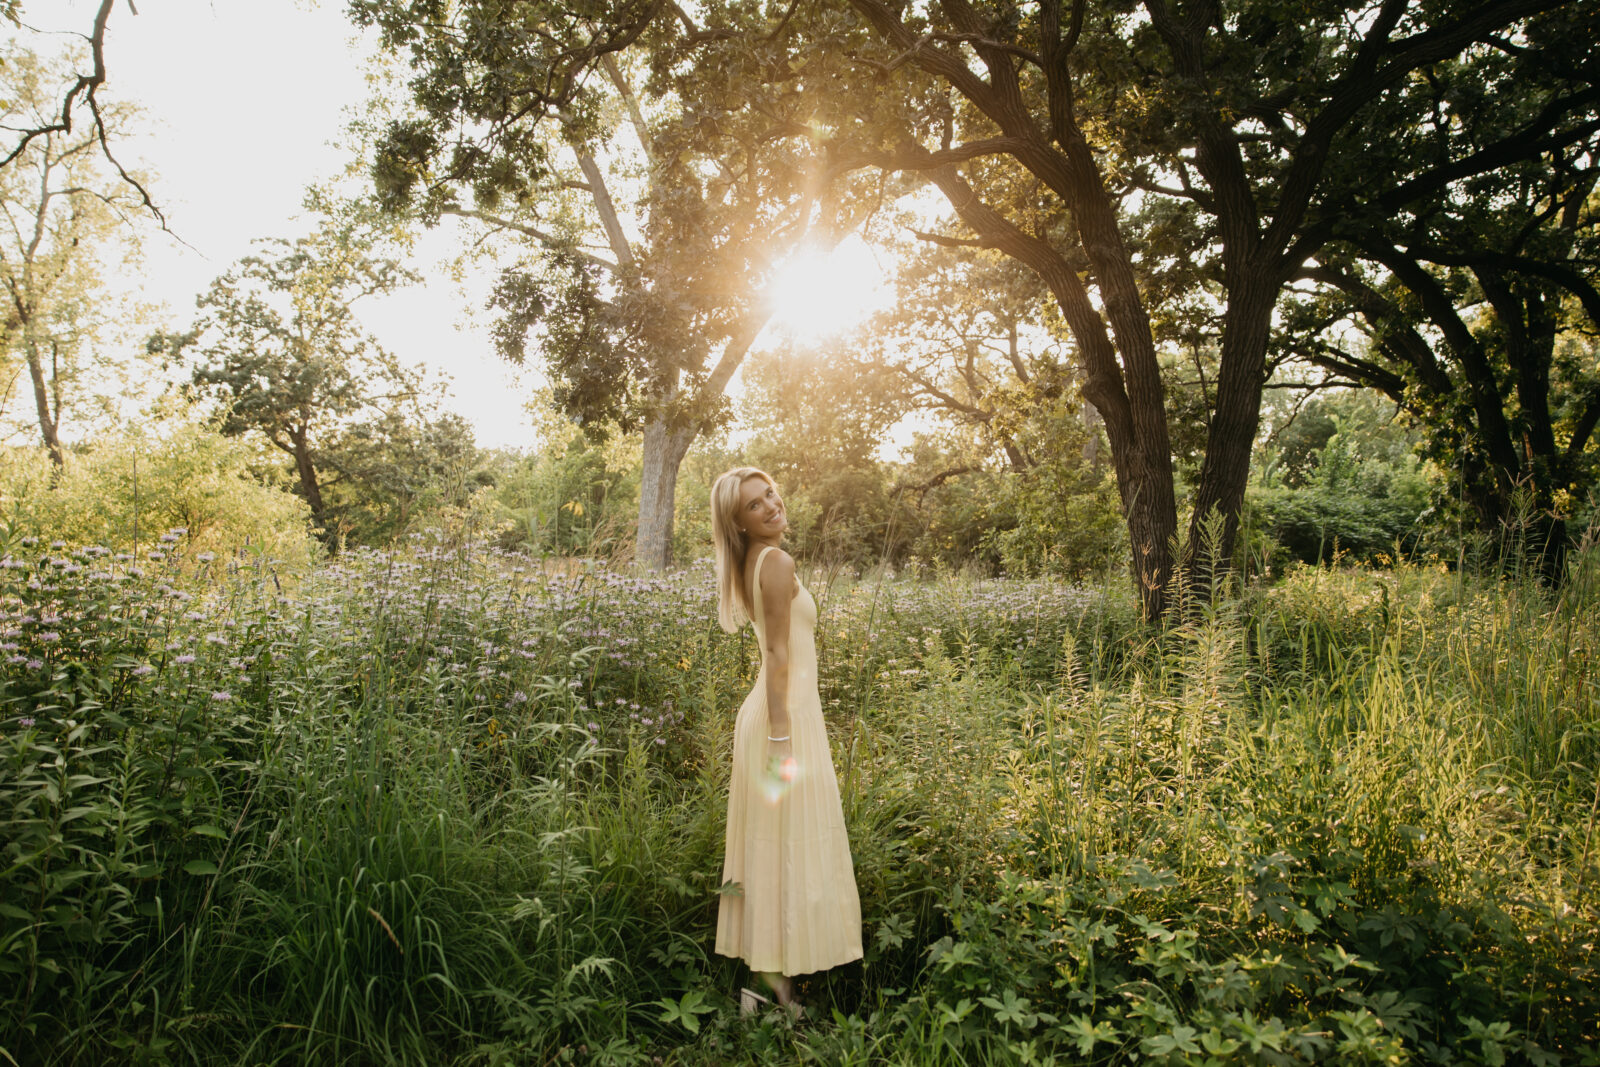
(652,216)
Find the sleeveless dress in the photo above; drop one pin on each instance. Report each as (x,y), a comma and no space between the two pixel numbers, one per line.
(798,911)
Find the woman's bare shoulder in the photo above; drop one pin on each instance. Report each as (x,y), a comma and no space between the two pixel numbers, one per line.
(777,570)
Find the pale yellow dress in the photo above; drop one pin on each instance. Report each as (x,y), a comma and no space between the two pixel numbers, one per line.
(798,911)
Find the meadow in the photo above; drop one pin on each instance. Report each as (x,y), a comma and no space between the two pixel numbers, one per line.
(444,804)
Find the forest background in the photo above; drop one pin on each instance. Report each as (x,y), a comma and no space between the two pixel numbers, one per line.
(1227,366)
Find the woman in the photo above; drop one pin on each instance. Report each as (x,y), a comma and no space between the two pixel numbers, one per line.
(793,908)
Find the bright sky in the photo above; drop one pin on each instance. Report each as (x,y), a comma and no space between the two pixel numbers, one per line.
(244,100)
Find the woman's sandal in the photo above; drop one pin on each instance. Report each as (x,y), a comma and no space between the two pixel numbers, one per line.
(752,1003)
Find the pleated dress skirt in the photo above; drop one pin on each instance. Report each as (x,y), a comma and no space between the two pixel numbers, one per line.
(792,907)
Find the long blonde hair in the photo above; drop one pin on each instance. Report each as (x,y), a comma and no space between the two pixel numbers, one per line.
(733,609)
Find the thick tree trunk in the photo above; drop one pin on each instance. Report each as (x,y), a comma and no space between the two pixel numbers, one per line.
(1529,326)
(1246,329)
(1127,393)
(310,487)
(664,449)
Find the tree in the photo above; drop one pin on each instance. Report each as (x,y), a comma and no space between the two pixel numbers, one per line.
(1264,121)
(970,336)
(65,218)
(1247,132)
(394,464)
(817,421)
(654,217)
(80,96)
(1468,309)
(278,345)
(1294,127)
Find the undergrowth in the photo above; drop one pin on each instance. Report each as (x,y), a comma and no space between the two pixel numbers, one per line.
(438,805)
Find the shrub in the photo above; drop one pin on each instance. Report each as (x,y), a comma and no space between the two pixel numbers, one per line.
(126,491)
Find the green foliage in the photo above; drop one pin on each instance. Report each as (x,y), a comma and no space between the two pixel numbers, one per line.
(569,499)
(1064,516)
(127,490)
(1344,477)
(437,806)
(397,466)
(279,349)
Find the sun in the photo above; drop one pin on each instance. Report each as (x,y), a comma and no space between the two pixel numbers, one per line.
(819,294)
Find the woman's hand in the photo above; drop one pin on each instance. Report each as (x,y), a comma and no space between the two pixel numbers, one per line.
(781,765)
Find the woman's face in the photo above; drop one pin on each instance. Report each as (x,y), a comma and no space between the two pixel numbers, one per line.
(761,513)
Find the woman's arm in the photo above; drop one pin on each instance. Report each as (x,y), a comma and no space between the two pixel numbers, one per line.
(777,589)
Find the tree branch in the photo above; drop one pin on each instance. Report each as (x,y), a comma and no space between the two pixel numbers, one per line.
(549,240)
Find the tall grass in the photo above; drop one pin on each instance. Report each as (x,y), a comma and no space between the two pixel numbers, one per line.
(437,806)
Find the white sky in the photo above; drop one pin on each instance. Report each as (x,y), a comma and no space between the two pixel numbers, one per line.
(243,99)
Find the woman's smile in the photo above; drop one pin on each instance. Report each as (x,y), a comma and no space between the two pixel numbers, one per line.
(764,514)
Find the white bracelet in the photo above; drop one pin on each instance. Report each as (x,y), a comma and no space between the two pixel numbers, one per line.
(785,737)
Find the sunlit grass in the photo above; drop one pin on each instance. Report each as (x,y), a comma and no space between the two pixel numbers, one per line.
(437,805)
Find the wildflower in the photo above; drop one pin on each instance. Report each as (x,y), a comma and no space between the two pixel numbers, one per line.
(661,740)
(169,538)
(206,557)
(143,669)
(25,721)
(58,544)
(35,664)
(48,637)
(592,725)
(222,696)
(185,658)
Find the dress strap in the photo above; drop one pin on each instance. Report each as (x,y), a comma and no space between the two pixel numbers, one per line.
(755,581)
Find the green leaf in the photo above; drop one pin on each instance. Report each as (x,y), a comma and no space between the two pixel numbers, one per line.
(686,1010)
(200,867)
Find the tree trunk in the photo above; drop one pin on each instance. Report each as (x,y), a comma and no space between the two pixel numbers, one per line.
(1127,393)
(310,488)
(664,449)
(49,424)
(1246,329)
(1091,442)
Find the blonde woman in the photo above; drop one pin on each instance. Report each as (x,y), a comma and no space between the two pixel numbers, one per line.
(795,910)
